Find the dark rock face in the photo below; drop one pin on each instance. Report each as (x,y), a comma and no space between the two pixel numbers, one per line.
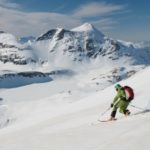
(47,35)
(1,32)
(51,33)
(15,58)
(13,54)
(11,80)
(64,32)
(6,46)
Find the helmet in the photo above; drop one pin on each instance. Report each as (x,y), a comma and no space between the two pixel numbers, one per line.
(117,86)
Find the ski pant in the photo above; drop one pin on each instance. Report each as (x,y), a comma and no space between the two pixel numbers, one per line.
(121,105)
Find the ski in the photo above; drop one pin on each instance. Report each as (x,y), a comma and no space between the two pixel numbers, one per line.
(98,121)
(108,120)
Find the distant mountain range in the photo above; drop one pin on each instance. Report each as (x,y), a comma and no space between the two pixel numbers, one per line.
(84,43)
(30,60)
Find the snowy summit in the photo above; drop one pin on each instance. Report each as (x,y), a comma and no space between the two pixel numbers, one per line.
(86,27)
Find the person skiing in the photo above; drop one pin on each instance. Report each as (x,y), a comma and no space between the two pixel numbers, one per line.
(119,102)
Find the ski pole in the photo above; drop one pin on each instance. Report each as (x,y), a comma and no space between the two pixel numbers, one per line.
(137,107)
(105,111)
(108,109)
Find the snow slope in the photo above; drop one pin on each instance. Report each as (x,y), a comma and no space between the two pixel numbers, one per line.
(55,88)
(50,116)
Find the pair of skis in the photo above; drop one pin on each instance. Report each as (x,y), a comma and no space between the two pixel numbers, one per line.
(107,120)
(137,113)
(98,121)
(142,111)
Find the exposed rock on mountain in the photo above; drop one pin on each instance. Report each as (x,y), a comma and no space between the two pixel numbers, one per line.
(14,52)
(87,43)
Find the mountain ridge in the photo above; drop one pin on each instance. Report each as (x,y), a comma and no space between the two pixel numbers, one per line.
(83,44)
(86,42)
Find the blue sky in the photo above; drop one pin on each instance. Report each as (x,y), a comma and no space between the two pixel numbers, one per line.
(127,20)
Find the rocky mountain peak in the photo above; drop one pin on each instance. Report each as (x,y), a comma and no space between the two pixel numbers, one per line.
(85,42)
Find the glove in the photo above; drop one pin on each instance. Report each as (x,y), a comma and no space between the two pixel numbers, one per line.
(111,105)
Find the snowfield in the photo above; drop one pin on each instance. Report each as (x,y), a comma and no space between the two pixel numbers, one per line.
(62,115)
(54,88)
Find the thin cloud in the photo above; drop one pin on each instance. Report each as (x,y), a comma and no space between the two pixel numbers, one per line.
(105,24)
(23,23)
(97,9)
(9,4)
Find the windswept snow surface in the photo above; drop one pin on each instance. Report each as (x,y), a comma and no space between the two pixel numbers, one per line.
(54,89)
(57,116)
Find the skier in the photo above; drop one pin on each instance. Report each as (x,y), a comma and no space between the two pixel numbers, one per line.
(120,102)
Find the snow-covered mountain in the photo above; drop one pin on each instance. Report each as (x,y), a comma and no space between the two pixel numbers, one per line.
(83,50)
(11,51)
(86,43)
(60,47)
